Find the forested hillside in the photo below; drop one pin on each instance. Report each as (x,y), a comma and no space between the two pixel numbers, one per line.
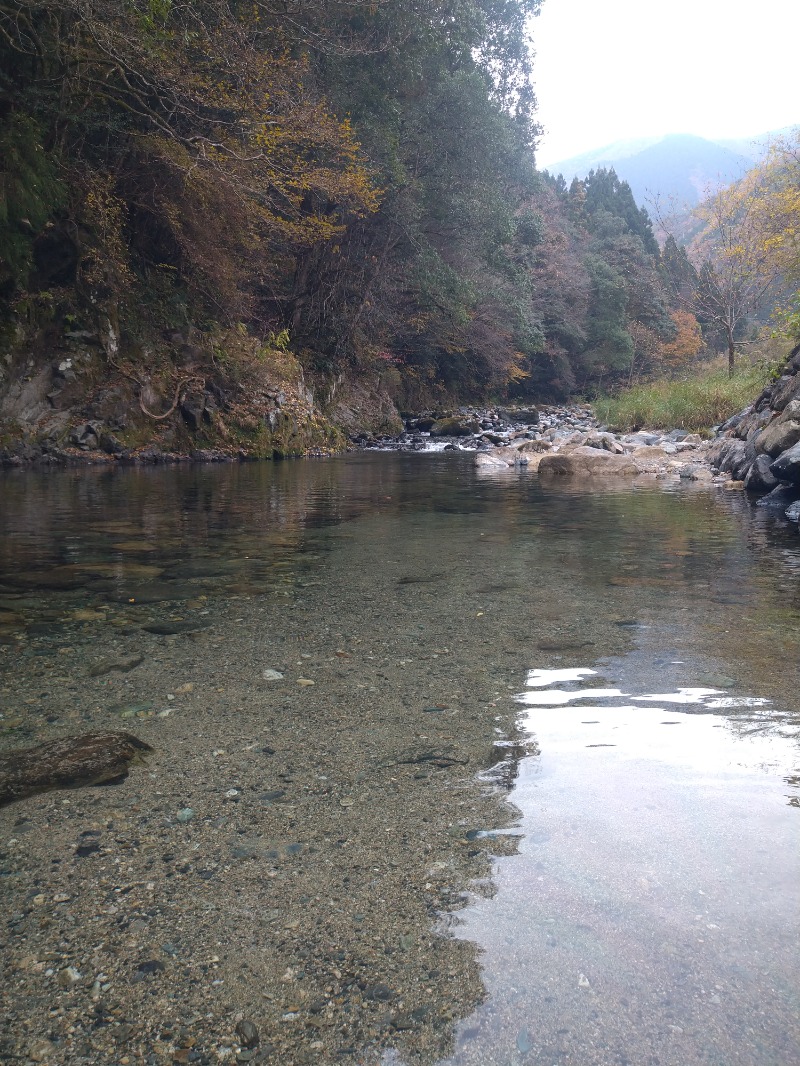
(339,193)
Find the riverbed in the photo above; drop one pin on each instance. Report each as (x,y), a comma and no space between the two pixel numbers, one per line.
(449,767)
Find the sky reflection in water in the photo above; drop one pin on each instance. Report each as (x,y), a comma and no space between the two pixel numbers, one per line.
(653,905)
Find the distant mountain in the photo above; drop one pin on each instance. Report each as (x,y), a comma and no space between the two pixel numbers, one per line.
(677,169)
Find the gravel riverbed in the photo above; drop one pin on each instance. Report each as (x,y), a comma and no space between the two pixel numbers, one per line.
(312,816)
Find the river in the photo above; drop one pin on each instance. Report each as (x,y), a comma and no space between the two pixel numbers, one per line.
(449,767)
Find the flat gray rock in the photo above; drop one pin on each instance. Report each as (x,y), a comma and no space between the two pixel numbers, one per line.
(583,461)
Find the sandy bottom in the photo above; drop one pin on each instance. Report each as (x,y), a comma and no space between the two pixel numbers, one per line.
(341,764)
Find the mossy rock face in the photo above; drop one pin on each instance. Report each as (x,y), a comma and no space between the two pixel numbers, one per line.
(520,416)
(455,427)
(359,407)
(283,436)
(221,396)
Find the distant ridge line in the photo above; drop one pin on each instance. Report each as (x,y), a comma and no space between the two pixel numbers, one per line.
(679,167)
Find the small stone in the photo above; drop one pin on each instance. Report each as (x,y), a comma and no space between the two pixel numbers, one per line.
(524,1042)
(123,666)
(87,615)
(272,675)
(247,1033)
(244,852)
(89,848)
(150,966)
(346,802)
(185,815)
(68,977)
(583,981)
(305,681)
(42,1051)
(61,897)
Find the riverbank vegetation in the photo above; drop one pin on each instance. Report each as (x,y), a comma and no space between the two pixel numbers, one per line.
(740,270)
(697,402)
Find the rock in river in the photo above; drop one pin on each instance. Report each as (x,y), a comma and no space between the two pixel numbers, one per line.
(587,461)
(88,759)
(787,465)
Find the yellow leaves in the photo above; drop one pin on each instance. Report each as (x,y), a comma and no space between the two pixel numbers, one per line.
(420,321)
(104,212)
(754,223)
(268,136)
(688,340)
(515,372)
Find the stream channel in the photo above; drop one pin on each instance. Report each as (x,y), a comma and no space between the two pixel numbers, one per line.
(449,767)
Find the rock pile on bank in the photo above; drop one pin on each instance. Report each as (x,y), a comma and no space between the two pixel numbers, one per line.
(760,446)
(599,453)
(568,441)
(557,440)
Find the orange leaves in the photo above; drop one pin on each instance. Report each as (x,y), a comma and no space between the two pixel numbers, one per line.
(688,340)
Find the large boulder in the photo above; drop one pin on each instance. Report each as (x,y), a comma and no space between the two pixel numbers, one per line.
(192,407)
(583,461)
(750,426)
(782,432)
(787,466)
(760,478)
(780,498)
(86,436)
(607,441)
(694,472)
(533,447)
(649,460)
(493,461)
(730,456)
(520,416)
(785,389)
(455,427)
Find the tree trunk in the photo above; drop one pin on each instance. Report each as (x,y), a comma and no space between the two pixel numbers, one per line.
(731,352)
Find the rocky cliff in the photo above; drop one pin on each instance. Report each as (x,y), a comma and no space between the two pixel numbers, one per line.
(760,446)
(89,391)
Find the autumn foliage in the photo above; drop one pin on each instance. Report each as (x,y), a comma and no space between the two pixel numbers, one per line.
(357,175)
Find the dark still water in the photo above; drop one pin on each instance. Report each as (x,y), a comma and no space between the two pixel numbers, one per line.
(448,767)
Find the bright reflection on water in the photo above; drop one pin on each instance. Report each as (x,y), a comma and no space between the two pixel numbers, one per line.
(652,913)
(540,678)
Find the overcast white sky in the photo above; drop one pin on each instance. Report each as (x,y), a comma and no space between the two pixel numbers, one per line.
(607,70)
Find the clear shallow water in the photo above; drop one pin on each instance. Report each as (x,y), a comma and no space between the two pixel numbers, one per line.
(651,914)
